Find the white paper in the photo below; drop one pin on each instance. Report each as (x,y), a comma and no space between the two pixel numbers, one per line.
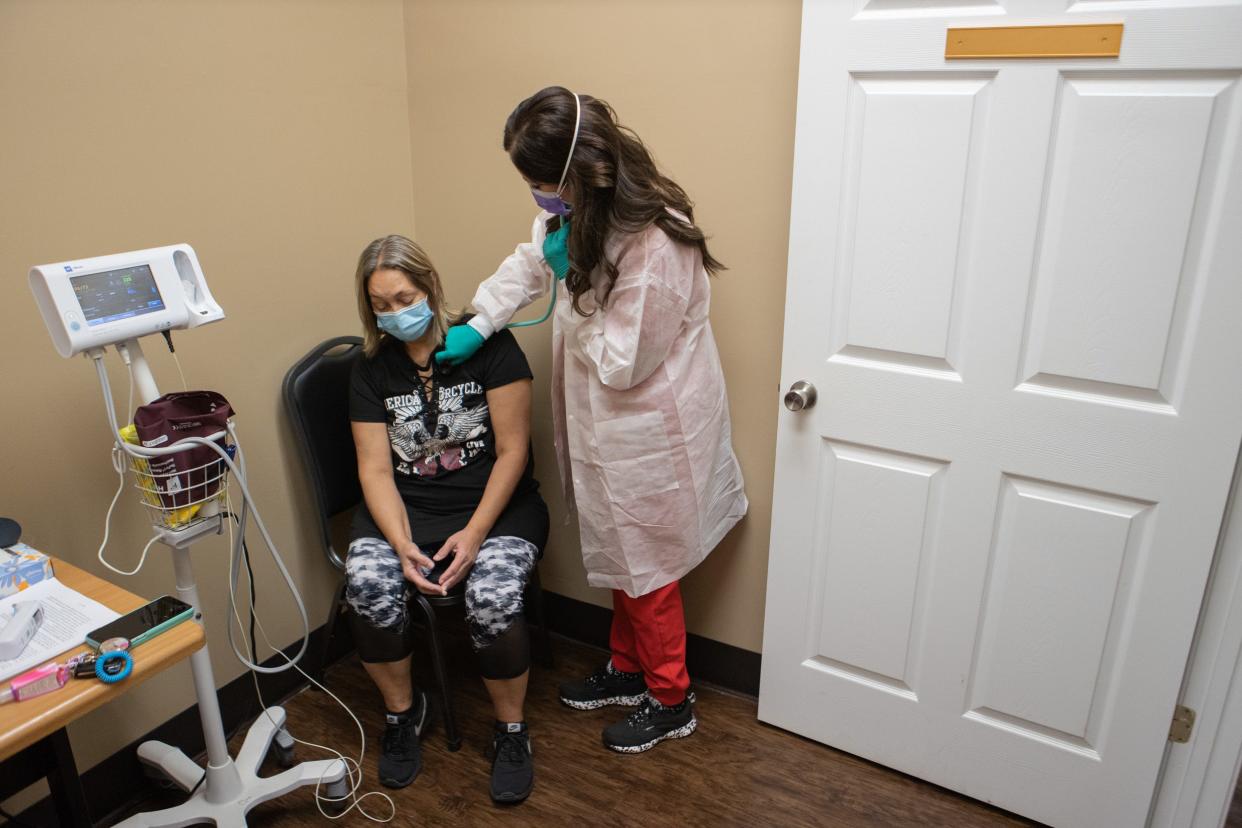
(68,616)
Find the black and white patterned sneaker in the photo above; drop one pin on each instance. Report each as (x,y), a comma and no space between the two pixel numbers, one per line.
(401,754)
(649,725)
(604,687)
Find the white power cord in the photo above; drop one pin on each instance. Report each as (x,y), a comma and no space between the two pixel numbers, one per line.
(118,463)
(184,387)
(129,403)
(141,559)
(353,767)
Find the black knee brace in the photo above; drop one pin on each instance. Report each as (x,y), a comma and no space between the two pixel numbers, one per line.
(380,644)
(508,656)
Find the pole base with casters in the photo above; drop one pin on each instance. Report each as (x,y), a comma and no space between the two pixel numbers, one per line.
(230,788)
(230,791)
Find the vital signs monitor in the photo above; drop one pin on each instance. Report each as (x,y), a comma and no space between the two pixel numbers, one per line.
(95,302)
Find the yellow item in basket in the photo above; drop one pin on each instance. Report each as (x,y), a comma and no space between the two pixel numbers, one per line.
(173,518)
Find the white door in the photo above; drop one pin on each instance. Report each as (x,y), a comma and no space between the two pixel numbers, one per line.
(1017,287)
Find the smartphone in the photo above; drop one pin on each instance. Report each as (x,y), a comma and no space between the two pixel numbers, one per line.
(143,623)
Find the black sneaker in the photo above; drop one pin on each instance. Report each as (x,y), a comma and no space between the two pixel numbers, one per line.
(401,757)
(604,687)
(513,765)
(649,725)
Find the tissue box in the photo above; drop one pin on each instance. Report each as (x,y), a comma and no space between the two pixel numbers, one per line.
(22,566)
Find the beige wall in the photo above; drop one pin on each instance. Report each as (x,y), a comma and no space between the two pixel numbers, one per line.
(278,138)
(273,137)
(710,86)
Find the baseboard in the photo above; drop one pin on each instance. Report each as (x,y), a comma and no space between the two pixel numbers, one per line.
(708,661)
(117,782)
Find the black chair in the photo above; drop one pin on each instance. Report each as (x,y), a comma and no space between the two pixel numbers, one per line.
(316,396)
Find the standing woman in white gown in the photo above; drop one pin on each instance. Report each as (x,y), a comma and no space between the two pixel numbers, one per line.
(638,395)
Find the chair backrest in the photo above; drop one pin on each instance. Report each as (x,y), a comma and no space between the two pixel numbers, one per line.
(316,395)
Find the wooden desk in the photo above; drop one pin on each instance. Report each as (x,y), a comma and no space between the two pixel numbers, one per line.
(36,727)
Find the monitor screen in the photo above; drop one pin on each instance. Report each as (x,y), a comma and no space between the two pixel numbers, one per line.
(117,294)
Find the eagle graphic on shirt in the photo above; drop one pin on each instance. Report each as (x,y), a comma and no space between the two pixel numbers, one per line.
(455,441)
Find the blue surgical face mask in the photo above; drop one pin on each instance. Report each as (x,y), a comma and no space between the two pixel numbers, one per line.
(407,324)
(552,202)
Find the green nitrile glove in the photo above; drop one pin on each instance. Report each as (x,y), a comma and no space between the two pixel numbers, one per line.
(556,250)
(460,343)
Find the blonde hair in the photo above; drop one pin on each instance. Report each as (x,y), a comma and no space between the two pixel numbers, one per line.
(398,253)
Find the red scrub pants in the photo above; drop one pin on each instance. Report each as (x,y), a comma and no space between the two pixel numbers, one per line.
(649,637)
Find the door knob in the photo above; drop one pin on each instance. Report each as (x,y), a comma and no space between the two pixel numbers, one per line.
(801,396)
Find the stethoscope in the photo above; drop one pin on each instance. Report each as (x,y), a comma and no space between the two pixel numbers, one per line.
(544,318)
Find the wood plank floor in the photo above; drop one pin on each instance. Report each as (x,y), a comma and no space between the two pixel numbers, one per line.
(733,771)
(1234,818)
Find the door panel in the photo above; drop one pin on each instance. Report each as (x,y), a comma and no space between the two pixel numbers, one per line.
(880,511)
(1058,572)
(905,212)
(1125,178)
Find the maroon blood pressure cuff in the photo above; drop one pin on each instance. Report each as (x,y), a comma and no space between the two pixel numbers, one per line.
(193,475)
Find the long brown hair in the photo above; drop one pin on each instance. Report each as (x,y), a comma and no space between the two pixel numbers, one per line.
(398,253)
(615,182)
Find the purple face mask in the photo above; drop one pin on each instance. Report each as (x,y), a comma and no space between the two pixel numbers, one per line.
(552,202)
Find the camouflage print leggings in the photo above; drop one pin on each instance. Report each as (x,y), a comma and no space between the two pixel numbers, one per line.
(376,590)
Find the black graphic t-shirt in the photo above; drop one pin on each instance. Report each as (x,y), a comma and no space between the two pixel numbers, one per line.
(443,449)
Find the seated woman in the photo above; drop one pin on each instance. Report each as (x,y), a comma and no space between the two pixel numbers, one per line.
(446,472)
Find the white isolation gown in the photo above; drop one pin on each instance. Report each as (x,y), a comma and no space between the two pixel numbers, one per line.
(640,412)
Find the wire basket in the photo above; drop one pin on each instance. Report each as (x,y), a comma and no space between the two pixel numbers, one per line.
(179,498)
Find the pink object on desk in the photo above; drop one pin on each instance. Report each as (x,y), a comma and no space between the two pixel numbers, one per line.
(36,682)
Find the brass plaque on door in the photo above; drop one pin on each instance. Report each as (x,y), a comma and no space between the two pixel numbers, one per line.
(1086,40)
